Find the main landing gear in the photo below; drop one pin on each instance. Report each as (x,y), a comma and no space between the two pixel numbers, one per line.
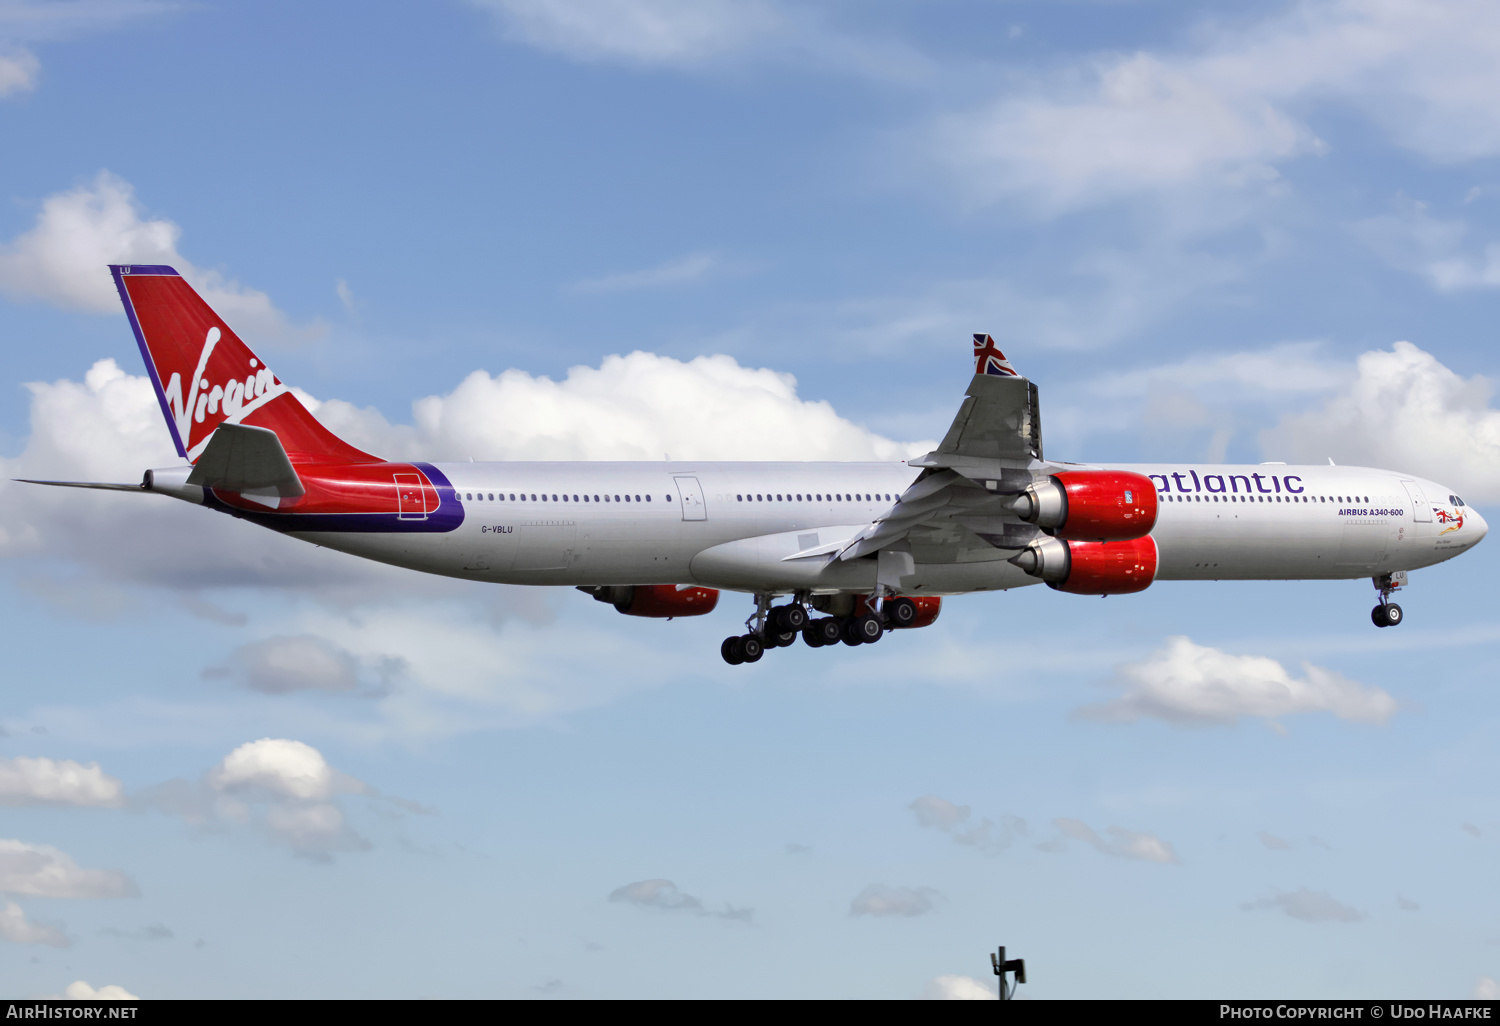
(1388,614)
(778,626)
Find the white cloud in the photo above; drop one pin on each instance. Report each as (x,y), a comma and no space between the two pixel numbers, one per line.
(41,871)
(1134,123)
(1230,108)
(1273,842)
(1191,684)
(41,781)
(1125,844)
(1486,989)
(664,895)
(1307,905)
(62,259)
(884,900)
(80,990)
(705,35)
(285,787)
(953,820)
(18,72)
(1413,240)
(1407,411)
(42,19)
(285,768)
(673,272)
(634,407)
(682,33)
(658,893)
(286,663)
(958,988)
(16,928)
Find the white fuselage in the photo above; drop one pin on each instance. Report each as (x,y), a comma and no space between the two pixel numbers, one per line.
(732,525)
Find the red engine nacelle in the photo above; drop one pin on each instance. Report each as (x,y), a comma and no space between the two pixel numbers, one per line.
(659,600)
(1091,505)
(1092,568)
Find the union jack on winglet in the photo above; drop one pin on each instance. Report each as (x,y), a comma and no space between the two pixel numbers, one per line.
(990,360)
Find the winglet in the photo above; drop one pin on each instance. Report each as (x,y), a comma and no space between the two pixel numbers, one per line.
(988,359)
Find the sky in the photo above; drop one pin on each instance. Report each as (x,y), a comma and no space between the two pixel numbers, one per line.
(234,765)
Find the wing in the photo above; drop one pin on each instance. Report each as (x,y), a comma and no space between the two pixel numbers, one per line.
(959,508)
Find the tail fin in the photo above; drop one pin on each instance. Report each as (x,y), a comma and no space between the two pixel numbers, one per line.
(205,376)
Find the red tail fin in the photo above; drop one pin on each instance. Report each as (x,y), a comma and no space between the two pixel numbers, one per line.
(205,376)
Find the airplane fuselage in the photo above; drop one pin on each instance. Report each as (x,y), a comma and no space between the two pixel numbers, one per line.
(732,525)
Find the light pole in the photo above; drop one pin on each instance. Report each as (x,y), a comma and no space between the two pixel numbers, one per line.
(1001,967)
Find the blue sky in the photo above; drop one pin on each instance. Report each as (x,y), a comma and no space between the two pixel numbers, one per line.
(609,229)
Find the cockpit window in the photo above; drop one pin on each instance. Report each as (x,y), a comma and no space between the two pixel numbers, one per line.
(1454,500)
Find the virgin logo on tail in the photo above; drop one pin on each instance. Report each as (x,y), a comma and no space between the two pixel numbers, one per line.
(218,403)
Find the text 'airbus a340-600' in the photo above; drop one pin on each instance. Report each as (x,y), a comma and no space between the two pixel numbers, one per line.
(835,552)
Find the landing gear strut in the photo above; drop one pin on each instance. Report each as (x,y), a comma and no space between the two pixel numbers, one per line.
(1387,613)
(767,627)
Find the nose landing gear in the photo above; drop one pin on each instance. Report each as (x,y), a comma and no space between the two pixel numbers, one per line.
(1387,613)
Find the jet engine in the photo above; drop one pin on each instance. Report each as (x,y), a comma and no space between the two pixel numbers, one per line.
(1092,568)
(1091,505)
(659,600)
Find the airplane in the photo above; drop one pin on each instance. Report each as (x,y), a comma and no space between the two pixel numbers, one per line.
(833,552)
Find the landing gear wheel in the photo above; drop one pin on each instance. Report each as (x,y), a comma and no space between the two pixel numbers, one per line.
(812,636)
(751,648)
(869,628)
(829,630)
(849,631)
(901,612)
(1386,615)
(782,640)
(732,651)
(789,618)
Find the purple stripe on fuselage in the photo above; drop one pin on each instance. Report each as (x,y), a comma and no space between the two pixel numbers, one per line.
(447,517)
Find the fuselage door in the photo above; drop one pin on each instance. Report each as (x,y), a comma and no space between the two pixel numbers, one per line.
(1420,509)
(691,493)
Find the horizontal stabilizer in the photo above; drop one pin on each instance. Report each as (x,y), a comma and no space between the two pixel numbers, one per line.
(248,460)
(85,484)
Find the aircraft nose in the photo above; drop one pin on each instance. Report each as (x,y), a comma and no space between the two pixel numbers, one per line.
(1480,528)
